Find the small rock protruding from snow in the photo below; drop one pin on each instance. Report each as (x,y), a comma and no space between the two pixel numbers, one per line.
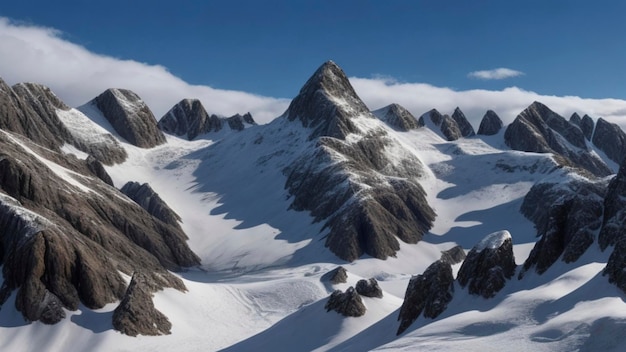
(488,265)
(490,124)
(339,275)
(428,293)
(348,304)
(369,288)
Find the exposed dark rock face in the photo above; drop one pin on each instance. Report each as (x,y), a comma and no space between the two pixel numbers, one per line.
(98,170)
(67,242)
(539,129)
(614,217)
(464,125)
(490,124)
(450,129)
(348,304)
(610,139)
(398,117)
(189,118)
(367,200)
(130,117)
(136,314)
(453,255)
(327,103)
(148,199)
(587,126)
(369,288)
(616,266)
(575,119)
(428,293)
(339,275)
(434,116)
(567,217)
(488,265)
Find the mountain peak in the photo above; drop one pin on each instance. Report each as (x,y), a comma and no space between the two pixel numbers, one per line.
(327,102)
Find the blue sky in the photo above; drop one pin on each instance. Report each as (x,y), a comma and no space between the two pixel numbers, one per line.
(271,47)
(239,56)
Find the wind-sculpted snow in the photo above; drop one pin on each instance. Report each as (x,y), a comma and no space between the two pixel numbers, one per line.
(349,179)
(539,129)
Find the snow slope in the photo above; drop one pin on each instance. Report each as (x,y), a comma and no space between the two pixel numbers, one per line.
(260,285)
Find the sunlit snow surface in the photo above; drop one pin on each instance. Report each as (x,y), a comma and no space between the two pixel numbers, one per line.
(259,286)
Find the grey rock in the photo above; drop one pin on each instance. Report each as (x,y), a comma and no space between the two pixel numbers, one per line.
(339,275)
(488,265)
(567,216)
(427,294)
(348,304)
(434,116)
(490,124)
(238,122)
(130,117)
(453,255)
(463,124)
(369,288)
(98,170)
(575,119)
(587,126)
(136,313)
(450,129)
(614,216)
(148,199)
(398,117)
(610,139)
(539,129)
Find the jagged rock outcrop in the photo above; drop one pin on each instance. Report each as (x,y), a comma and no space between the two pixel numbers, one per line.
(614,217)
(575,119)
(490,124)
(488,265)
(339,275)
(539,129)
(66,237)
(587,126)
(348,304)
(427,294)
(434,116)
(398,117)
(450,129)
(136,314)
(130,117)
(51,123)
(98,170)
(148,199)
(567,216)
(463,124)
(453,255)
(369,288)
(189,118)
(367,201)
(445,125)
(610,139)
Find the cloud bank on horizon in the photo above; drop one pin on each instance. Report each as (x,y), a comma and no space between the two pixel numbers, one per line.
(29,53)
(495,74)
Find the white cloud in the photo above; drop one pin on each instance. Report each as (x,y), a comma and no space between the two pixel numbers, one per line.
(496,73)
(35,54)
(507,103)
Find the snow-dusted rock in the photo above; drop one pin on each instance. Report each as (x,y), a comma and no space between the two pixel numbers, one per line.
(610,139)
(339,275)
(488,265)
(453,255)
(367,197)
(348,304)
(567,217)
(450,128)
(539,129)
(398,117)
(490,124)
(369,288)
(130,117)
(463,124)
(428,293)
(148,199)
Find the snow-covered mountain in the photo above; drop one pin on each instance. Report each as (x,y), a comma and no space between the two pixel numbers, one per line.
(330,228)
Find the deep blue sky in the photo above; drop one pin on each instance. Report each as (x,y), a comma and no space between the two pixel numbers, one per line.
(272,47)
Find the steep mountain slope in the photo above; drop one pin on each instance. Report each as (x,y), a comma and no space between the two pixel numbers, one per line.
(272,209)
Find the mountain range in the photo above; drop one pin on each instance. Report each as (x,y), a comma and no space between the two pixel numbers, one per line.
(333,227)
